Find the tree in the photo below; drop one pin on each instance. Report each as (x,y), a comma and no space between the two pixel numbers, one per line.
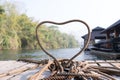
(17,31)
(1,10)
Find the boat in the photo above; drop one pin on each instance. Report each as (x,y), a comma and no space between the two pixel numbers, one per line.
(110,47)
(107,53)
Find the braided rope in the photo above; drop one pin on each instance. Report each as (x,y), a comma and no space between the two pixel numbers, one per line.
(80,74)
(57,78)
(62,23)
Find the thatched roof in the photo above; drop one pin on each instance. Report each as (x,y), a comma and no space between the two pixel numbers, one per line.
(96,34)
(111,28)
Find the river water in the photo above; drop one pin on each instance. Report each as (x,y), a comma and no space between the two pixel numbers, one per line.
(39,54)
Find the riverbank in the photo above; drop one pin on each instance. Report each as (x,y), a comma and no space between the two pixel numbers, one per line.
(19,70)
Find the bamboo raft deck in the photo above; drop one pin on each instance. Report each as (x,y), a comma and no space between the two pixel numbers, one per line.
(19,70)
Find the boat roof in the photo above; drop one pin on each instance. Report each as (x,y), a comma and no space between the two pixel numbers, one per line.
(112,27)
(96,34)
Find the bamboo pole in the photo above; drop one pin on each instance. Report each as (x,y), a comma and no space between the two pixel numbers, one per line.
(45,61)
(104,74)
(112,71)
(17,71)
(37,75)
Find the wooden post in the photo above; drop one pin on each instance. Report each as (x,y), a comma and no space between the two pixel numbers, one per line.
(116,34)
(108,38)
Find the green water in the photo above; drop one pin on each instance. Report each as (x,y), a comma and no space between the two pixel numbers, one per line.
(38,54)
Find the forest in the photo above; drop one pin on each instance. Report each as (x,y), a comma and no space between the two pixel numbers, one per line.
(17,31)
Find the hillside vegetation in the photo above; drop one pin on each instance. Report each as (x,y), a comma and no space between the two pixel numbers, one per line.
(17,31)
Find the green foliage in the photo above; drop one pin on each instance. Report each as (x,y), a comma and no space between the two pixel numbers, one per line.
(17,31)
(1,10)
(52,38)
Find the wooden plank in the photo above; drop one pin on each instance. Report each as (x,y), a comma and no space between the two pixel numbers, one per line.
(100,61)
(90,60)
(9,65)
(18,70)
(111,65)
(105,65)
(93,64)
(6,62)
(104,61)
(118,61)
(116,65)
(113,61)
(37,75)
(23,76)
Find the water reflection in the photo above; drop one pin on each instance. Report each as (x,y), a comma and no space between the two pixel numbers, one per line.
(38,54)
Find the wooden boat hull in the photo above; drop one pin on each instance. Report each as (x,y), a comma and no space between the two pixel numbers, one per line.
(105,55)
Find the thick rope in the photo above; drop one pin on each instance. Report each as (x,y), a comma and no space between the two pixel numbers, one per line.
(62,23)
(80,74)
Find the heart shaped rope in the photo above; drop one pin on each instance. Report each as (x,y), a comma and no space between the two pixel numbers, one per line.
(63,23)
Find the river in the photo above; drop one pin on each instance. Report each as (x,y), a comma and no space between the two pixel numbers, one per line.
(39,55)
